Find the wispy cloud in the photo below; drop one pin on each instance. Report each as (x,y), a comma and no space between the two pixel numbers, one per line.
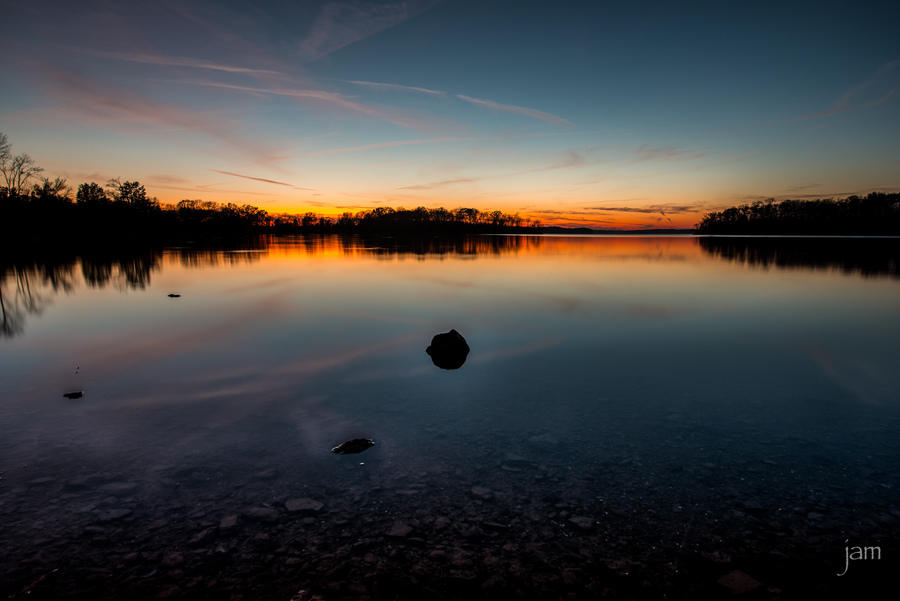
(395,87)
(168,179)
(823,195)
(879,88)
(650,209)
(666,153)
(801,188)
(332,98)
(329,97)
(340,24)
(576,217)
(519,110)
(111,104)
(386,145)
(261,179)
(424,141)
(178,61)
(446,182)
(568,158)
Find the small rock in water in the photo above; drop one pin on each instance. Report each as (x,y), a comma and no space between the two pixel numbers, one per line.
(119,488)
(173,559)
(399,530)
(113,514)
(583,522)
(544,439)
(482,493)
(174,296)
(303,504)
(449,350)
(202,537)
(76,394)
(268,474)
(357,445)
(229,521)
(738,582)
(263,514)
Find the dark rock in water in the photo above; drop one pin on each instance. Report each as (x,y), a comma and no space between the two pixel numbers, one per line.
(399,530)
(174,296)
(119,489)
(77,394)
(357,445)
(482,493)
(263,514)
(448,351)
(583,522)
(113,514)
(229,521)
(739,582)
(303,504)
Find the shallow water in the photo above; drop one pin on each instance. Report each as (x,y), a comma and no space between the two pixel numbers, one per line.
(638,417)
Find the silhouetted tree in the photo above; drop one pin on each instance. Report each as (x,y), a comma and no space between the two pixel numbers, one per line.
(91,194)
(309,220)
(52,190)
(17,172)
(132,193)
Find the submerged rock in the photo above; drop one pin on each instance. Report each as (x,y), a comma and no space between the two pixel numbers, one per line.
(112,515)
(449,350)
(119,488)
(399,529)
(303,504)
(357,445)
(582,522)
(229,521)
(263,514)
(76,394)
(739,582)
(482,492)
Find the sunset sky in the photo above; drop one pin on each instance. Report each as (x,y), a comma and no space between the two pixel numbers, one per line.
(575,113)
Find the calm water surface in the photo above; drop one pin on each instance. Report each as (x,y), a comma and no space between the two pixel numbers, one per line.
(638,417)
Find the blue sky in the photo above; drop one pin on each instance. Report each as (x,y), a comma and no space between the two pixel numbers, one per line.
(584,113)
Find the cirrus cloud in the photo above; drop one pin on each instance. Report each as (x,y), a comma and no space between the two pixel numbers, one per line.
(519,110)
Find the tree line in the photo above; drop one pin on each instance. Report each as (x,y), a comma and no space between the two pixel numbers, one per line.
(34,206)
(873,214)
(420,219)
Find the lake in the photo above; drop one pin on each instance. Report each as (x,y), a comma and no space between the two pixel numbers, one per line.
(638,417)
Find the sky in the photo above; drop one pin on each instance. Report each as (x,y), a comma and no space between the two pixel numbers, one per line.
(610,115)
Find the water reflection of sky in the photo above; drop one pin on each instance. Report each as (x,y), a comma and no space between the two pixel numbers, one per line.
(679,395)
(327,338)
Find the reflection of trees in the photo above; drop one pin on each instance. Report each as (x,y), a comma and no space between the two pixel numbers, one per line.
(249,252)
(135,271)
(96,273)
(865,256)
(23,291)
(126,271)
(421,247)
(29,283)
